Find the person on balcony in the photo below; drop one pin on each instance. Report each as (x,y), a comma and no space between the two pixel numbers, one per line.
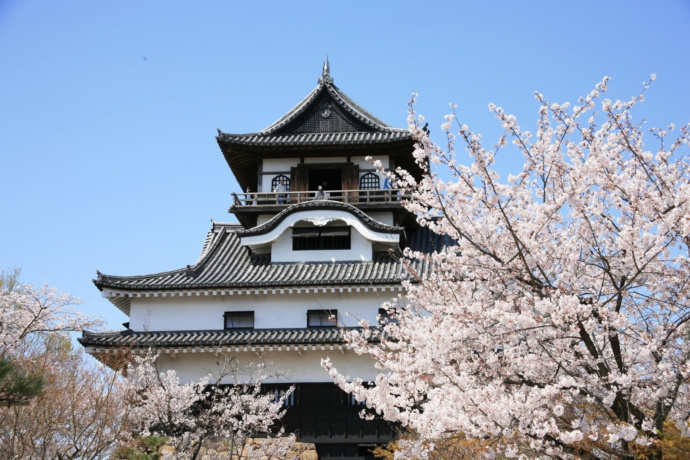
(320,195)
(280,190)
(387,186)
(249,198)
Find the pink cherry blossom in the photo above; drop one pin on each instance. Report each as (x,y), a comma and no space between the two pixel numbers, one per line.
(561,313)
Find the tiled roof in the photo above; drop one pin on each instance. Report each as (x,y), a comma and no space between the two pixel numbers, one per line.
(213,338)
(358,127)
(320,205)
(227,264)
(313,139)
(327,91)
(327,123)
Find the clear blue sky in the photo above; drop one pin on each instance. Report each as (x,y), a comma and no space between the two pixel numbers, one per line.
(109,110)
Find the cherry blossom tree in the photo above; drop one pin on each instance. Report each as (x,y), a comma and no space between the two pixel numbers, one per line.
(557,324)
(205,413)
(55,401)
(26,310)
(80,413)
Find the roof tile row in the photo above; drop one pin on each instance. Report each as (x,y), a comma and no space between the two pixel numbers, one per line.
(315,138)
(214,338)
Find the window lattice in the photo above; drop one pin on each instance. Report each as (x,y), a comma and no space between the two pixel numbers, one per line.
(320,238)
(369,181)
(352,401)
(322,318)
(325,120)
(289,400)
(276,180)
(239,320)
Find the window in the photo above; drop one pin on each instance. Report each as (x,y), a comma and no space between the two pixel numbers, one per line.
(315,238)
(322,318)
(369,181)
(275,182)
(387,317)
(239,320)
(279,393)
(352,401)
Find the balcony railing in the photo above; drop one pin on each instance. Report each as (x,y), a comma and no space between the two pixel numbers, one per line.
(272,199)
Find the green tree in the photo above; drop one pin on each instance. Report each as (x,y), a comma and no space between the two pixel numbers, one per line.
(17,385)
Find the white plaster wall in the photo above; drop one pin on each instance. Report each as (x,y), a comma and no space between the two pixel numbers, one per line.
(275,166)
(319,217)
(283,310)
(360,249)
(263,218)
(279,164)
(299,368)
(364,164)
(383,217)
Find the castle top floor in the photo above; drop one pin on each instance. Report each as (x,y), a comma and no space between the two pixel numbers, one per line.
(316,151)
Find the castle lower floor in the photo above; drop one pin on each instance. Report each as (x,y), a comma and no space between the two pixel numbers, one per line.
(323,414)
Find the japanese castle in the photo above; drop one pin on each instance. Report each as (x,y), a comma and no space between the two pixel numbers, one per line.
(319,238)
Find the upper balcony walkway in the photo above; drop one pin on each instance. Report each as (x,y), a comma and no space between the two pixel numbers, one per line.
(283,199)
(247,206)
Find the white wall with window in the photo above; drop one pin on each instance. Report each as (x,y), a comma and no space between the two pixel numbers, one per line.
(282,249)
(280,310)
(273,167)
(280,238)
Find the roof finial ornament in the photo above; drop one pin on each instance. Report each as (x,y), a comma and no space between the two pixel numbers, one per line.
(326,73)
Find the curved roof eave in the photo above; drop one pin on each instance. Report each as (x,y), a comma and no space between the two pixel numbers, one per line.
(315,205)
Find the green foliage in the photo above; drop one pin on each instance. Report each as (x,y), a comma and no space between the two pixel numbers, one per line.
(144,448)
(17,384)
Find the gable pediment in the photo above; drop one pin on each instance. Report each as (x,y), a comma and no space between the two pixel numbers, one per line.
(324,114)
(325,118)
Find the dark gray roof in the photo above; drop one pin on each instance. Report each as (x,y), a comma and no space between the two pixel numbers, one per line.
(212,338)
(224,264)
(227,264)
(326,116)
(326,123)
(328,93)
(316,205)
(314,139)
(328,103)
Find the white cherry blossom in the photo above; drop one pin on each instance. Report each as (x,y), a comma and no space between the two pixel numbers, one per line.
(561,314)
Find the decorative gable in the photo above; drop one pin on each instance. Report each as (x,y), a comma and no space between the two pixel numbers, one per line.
(320,231)
(326,123)
(325,119)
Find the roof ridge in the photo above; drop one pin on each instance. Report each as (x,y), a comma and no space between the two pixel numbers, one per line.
(325,83)
(190,270)
(353,107)
(294,112)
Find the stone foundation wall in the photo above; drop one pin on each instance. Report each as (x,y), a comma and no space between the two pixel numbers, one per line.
(298,451)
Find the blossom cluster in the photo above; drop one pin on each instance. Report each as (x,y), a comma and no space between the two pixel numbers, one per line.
(192,414)
(557,323)
(26,310)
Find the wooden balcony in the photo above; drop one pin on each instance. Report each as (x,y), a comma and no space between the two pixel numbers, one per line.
(284,199)
(247,206)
